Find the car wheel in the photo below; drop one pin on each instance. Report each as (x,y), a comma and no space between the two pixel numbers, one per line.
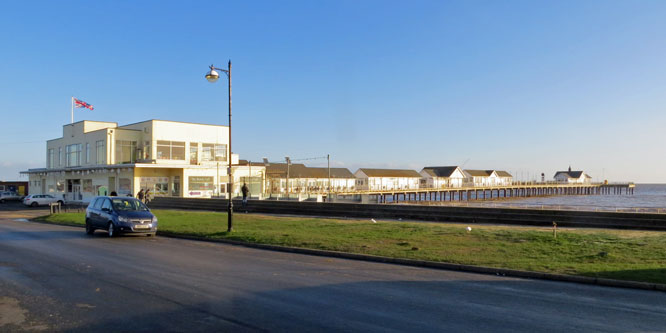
(89,229)
(2,200)
(61,202)
(34,204)
(111,230)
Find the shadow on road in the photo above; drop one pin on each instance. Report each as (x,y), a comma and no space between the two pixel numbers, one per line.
(410,306)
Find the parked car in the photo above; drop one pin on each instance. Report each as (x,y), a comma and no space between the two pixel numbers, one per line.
(9,195)
(120,215)
(35,200)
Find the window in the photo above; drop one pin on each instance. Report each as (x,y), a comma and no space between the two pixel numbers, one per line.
(73,153)
(87,185)
(98,203)
(125,151)
(87,152)
(100,152)
(124,186)
(50,160)
(213,152)
(146,150)
(59,156)
(170,150)
(194,153)
(106,204)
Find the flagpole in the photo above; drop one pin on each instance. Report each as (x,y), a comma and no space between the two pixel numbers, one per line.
(72,109)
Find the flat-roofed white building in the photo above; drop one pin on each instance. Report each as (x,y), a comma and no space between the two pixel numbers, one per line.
(304,179)
(169,158)
(442,176)
(386,179)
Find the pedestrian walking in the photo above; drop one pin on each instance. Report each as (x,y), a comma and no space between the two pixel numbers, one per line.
(140,195)
(148,196)
(245,191)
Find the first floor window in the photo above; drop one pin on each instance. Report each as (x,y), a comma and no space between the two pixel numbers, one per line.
(213,152)
(125,151)
(100,152)
(51,159)
(170,150)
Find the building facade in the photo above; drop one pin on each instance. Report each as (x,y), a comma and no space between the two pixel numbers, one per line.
(166,157)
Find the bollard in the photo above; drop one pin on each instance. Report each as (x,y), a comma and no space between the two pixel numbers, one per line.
(554,230)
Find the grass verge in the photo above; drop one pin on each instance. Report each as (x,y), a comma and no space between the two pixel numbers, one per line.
(614,254)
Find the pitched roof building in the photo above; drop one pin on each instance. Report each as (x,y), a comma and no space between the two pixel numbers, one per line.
(572,176)
(386,179)
(442,176)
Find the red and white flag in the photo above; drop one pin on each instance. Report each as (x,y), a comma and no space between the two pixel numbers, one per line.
(81,104)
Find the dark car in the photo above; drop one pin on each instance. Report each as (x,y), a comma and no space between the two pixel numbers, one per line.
(120,215)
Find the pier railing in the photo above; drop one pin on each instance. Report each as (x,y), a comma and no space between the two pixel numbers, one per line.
(580,208)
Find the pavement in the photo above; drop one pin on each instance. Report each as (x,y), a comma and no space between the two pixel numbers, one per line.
(56,278)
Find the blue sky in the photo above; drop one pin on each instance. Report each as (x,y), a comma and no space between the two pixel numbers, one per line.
(524,86)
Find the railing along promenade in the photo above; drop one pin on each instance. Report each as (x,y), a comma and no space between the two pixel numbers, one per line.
(467,193)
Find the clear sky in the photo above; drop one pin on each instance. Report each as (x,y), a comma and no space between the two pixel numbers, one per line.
(524,86)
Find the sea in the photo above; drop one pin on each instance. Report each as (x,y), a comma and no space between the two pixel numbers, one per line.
(646,198)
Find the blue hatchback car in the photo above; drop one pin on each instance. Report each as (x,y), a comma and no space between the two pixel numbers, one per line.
(120,215)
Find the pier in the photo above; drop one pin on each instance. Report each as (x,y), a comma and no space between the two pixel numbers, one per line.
(517,190)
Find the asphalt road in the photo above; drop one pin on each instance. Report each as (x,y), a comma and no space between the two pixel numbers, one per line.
(55,278)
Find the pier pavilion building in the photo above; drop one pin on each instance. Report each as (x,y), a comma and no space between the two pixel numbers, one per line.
(442,177)
(386,179)
(481,178)
(169,158)
(577,177)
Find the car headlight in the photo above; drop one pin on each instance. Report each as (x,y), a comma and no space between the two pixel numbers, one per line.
(123,219)
(154,219)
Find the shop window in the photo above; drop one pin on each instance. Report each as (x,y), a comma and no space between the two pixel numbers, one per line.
(124,186)
(87,185)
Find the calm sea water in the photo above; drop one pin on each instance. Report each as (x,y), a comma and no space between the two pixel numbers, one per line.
(645,196)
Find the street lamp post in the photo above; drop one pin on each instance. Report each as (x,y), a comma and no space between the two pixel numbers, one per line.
(287,184)
(212,76)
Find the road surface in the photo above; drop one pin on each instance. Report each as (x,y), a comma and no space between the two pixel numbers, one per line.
(56,278)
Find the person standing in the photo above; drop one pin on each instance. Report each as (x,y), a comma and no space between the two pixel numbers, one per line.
(147,196)
(245,191)
(140,195)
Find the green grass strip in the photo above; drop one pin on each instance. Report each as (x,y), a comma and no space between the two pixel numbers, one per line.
(615,254)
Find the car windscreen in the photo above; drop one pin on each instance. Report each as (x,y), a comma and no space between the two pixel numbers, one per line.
(121,204)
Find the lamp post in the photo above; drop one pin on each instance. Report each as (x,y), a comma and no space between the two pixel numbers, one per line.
(287,184)
(212,76)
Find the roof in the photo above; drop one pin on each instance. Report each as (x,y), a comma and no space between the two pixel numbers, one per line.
(502,173)
(571,174)
(440,171)
(279,170)
(391,173)
(479,173)
(244,163)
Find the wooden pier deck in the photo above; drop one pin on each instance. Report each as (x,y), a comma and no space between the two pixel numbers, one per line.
(519,190)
